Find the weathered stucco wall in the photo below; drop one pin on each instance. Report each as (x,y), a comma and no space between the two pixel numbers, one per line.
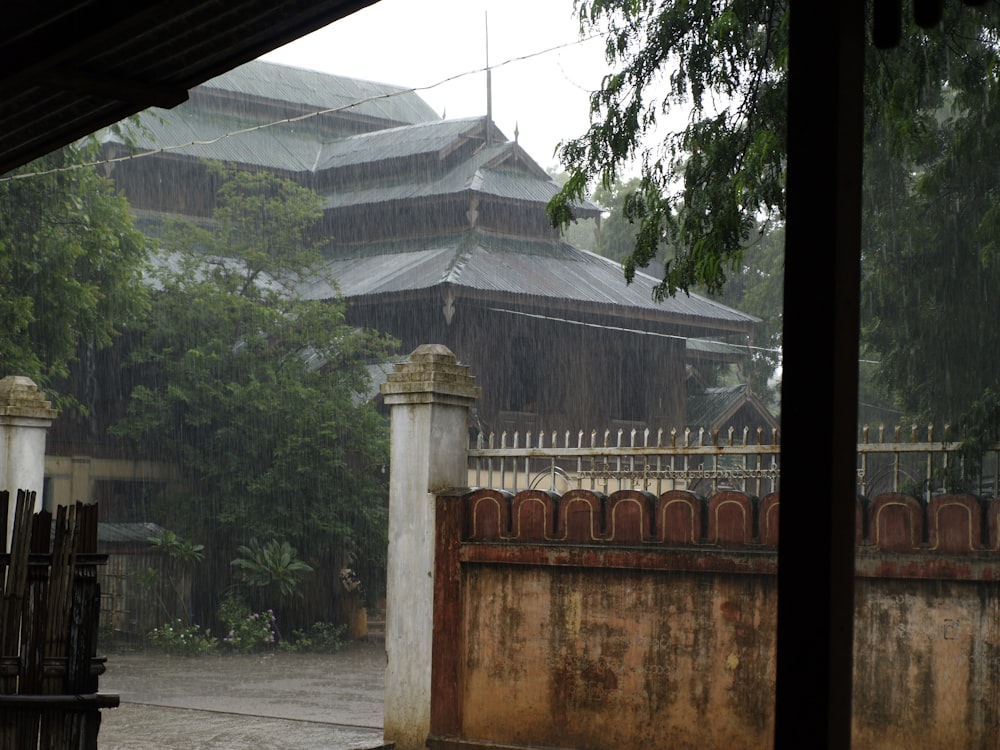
(615,658)
(927,664)
(568,622)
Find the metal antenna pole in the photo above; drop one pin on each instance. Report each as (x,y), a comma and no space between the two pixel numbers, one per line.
(489,84)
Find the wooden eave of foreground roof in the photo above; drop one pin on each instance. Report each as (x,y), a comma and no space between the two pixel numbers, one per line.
(69,69)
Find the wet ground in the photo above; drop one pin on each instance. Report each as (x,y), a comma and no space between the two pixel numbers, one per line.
(234,702)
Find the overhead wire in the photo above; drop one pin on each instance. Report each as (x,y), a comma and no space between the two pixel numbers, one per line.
(620,329)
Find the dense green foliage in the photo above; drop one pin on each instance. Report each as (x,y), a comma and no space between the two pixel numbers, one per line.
(757,289)
(617,236)
(707,189)
(257,394)
(71,266)
(931,217)
(273,568)
(320,638)
(700,189)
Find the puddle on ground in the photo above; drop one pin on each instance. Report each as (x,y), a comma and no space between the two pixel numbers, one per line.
(223,702)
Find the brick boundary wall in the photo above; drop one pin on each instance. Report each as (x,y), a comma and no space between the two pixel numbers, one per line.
(628,620)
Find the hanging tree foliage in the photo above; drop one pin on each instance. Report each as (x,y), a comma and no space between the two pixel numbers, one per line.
(700,189)
(932,133)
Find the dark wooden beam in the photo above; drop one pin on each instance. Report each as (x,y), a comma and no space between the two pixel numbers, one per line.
(115,88)
(819,380)
(112,58)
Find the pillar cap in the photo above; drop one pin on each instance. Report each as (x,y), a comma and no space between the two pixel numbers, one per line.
(431,374)
(20,397)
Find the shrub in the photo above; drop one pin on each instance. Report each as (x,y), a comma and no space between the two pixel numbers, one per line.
(321,638)
(247,631)
(180,639)
(273,568)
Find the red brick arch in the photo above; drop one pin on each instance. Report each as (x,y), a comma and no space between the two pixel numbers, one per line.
(678,517)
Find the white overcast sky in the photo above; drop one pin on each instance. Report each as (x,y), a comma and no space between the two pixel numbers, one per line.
(419,44)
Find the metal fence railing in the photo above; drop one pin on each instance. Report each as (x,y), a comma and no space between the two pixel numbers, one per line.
(706,462)
(695,460)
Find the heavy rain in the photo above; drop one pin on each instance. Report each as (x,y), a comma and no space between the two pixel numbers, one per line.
(423,393)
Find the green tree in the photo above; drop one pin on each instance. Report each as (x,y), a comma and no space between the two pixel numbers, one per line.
(930,264)
(701,189)
(757,289)
(931,133)
(255,393)
(618,233)
(71,266)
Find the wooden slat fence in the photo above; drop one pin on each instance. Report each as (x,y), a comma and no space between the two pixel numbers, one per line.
(48,629)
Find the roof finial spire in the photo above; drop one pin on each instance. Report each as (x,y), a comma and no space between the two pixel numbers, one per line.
(489,84)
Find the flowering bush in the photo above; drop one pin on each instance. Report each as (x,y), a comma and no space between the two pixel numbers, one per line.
(247,631)
(184,640)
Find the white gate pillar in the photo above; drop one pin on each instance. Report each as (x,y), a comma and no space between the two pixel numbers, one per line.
(25,417)
(429,397)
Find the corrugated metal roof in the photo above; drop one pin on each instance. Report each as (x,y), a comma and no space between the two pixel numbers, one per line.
(195,129)
(709,408)
(312,89)
(193,132)
(127,533)
(493,266)
(484,171)
(200,131)
(396,143)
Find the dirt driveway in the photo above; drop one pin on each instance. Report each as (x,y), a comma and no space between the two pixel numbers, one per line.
(278,701)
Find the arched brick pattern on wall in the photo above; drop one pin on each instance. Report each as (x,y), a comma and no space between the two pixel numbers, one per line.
(580,517)
(896,522)
(630,519)
(489,516)
(730,519)
(679,517)
(566,587)
(954,524)
(891,522)
(533,516)
(768,519)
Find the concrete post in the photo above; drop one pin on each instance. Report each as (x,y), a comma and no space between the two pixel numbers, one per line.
(429,397)
(25,417)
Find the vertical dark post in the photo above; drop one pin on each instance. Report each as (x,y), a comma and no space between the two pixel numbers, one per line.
(448,644)
(819,388)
